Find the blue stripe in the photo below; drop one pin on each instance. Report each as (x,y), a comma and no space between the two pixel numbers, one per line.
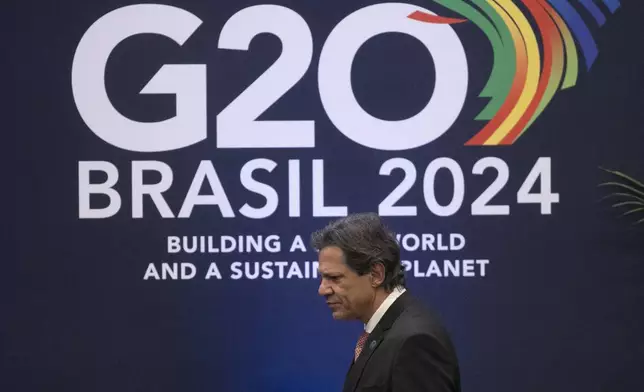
(612,5)
(579,30)
(594,11)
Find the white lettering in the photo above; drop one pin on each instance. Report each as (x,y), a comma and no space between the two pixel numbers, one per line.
(247,180)
(334,78)
(151,272)
(86,189)
(213,270)
(294,188)
(298,243)
(319,209)
(186,81)
(154,190)
(218,198)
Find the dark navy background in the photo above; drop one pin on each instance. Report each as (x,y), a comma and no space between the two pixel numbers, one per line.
(559,310)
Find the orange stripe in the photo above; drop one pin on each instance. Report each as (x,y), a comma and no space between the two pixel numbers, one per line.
(546,26)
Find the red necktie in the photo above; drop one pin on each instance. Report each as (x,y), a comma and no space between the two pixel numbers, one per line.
(360,345)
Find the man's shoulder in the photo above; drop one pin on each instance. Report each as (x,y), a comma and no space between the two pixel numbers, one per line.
(418,321)
(417,314)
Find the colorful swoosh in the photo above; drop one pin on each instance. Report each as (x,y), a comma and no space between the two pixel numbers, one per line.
(530,64)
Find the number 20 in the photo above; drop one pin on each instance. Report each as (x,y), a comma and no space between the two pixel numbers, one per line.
(237,124)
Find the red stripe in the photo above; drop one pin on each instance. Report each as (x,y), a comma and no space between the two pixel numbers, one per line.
(429,18)
(546,27)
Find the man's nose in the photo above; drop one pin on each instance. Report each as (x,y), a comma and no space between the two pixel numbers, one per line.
(324,289)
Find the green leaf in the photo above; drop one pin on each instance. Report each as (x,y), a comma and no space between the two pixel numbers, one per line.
(633,211)
(624,176)
(628,203)
(618,184)
(630,195)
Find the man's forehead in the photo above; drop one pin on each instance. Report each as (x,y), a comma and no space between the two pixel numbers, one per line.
(331,260)
(332,268)
(332,253)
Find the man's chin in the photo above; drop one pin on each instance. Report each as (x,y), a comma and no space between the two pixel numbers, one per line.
(340,315)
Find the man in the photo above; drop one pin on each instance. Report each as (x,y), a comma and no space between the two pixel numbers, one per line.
(404,348)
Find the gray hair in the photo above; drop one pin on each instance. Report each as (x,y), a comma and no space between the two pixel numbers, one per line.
(365,241)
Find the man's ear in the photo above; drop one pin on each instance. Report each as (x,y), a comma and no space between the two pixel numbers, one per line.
(377,274)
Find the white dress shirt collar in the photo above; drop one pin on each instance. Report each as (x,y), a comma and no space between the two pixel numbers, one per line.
(382,309)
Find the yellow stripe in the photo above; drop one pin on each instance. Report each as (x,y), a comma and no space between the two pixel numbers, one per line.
(526,42)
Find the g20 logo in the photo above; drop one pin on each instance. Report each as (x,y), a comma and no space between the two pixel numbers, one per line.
(524,78)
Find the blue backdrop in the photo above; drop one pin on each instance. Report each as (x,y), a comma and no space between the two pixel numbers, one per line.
(541,289)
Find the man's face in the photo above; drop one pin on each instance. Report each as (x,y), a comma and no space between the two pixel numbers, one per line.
(348,294)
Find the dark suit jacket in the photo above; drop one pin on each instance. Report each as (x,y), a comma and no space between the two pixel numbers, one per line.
(408,351)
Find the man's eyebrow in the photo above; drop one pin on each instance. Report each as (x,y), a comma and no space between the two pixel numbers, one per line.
(331,274)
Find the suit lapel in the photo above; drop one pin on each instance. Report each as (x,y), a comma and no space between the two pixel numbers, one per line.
(375,338)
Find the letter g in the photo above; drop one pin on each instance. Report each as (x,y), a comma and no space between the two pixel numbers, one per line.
(187,82)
